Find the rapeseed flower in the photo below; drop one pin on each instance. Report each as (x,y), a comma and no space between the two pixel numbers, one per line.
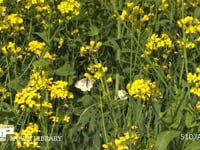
(11,23)
(4,93)
(27,97)
(66,118)
(38,80)
(198,105)
(164,5)
(189,24)
(29,3)
(24,138)
(194,79)
(144,90)
(36,47)
(90,49)
(58,89)
(69,7)
(122,142)
(12,49)
(95,71)
(54,118)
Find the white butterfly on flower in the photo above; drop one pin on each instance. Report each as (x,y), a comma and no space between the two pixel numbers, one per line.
(84,84)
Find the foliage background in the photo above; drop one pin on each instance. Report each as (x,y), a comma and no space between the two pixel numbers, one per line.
(147,50)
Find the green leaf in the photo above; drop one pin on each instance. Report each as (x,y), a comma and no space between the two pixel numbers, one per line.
(41,63)
(189,119)
(93,31)
(112,43)
(43,36)
(195,145)
(164,138)
(65,70)
(197,12)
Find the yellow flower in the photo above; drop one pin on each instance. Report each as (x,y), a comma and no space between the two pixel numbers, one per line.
(198,105)
(66,118)
(60,43)
(69,7)
(144,89)
(58,89)
(36,47)
(95,71)
(90,49)
(54,118)
(194,79)
(109,80)
(189,24)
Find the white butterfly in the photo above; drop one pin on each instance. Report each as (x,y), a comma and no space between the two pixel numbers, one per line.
(122,95)
(84,84)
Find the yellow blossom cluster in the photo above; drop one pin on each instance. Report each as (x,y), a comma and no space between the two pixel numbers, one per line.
(2,11)
(43,11)
(38,80)
(29,3)
(12,49)
(155,43)
(31,97)
(58,90)
(38,48)
(187,44)
(132,12)
(69,7)
(4,94)
(190,25)
(12,22)
(194,79)
(28,97)
(24,138)
(164,5)
(95,71)
(144,90)
(89,49)
(158,49)
(122,142)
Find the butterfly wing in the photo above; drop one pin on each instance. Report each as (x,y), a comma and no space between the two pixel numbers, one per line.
(84,84)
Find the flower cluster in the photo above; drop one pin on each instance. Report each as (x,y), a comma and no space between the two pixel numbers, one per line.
(4,94)
(144,90)
(25,139)
(195,80)
(155,43)
(190,25)
(29,3)
(89,49)
(158,49)
(12,49)
(12,23)
(95,71)
(69,7)
(38,80)
(133,12)
(187,44)
(122,142)
(58,90)
(164,5)
(30,96)
(38,48)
